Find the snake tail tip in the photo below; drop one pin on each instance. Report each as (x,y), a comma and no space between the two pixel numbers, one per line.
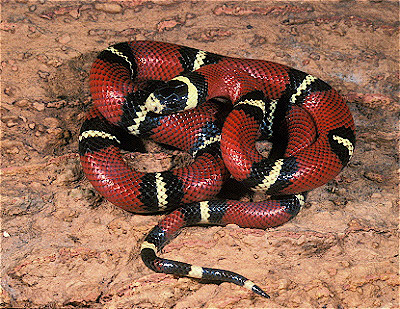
(260,292)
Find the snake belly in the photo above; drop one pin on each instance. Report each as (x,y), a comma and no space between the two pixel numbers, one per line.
(166,92)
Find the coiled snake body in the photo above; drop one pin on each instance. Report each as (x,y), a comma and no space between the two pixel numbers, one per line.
(165,92)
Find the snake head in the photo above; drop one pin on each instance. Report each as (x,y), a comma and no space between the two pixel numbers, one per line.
(168,98)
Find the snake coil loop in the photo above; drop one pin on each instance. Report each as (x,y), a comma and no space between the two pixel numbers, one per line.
(164,92)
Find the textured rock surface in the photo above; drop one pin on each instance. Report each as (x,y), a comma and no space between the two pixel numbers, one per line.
(64,246)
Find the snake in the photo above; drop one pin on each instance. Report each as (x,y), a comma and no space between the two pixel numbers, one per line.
(216,108)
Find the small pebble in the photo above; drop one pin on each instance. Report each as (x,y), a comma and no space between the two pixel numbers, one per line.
(51,122)
(108,7)
(64,39)
(345,264)
(301,240)
(283,284)
(10,91)
(22,103)
(38,106)
(376,195)
(374,177)
(13,150)
(11,123)
(375,245)
(190,16)
(41,128)
(332,271)
(57,104)
(43,74)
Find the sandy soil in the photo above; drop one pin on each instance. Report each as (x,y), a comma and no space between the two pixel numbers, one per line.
(63,246)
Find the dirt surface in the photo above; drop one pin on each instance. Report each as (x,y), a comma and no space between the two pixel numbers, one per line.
(63,246)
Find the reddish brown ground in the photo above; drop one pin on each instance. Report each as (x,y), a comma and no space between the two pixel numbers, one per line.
(63,246)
